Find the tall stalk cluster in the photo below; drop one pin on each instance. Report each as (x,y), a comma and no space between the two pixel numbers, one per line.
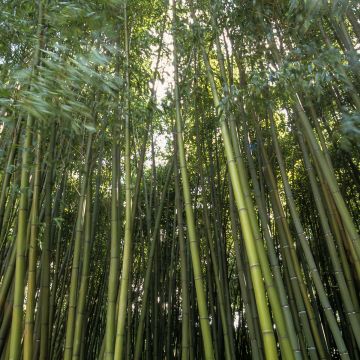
(180,179)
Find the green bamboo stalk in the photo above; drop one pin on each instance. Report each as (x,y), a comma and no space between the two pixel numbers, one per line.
(352,309)
(254,341)
(185,323)
(282,318)
(194,246)
(114,260)
(308,254)
(127,253)
(330,178)
(80,321)
(256,274)
(146,286)
(274,263)
(17,316)
(31,284)
(45,254)
(7,176)
(293,265)
(70,323)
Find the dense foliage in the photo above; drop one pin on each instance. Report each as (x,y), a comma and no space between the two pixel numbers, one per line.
(179,179)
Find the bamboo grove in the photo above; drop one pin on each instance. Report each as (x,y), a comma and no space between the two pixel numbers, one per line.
(179,179)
